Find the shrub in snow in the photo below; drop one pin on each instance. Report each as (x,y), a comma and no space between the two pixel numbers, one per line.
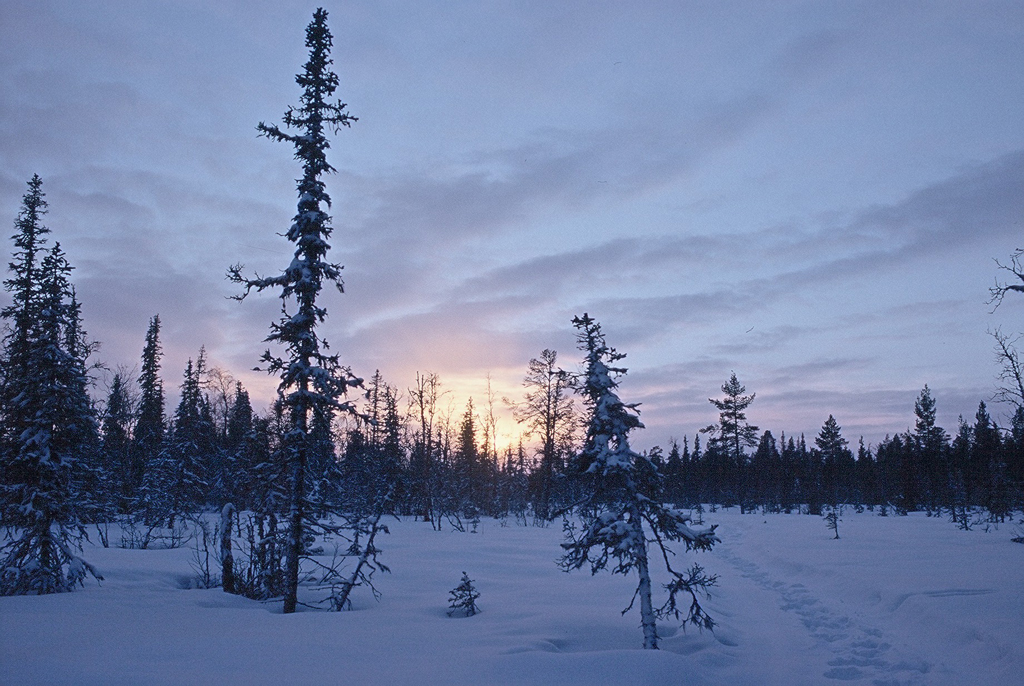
(201,555)
(340,581)
(463,598)
(622,496)
(832,522)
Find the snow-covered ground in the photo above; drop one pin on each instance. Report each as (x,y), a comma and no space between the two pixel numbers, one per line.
(897,600)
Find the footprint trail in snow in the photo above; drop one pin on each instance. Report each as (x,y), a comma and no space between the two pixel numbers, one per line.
(860,653)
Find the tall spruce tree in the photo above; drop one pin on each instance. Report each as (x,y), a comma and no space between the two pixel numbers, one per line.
(836,462)
(50,438)
(623,496)
(149,426)
(731,436)
(117,452)
(930,452)
(22,315)
(984,457)
(238,448)
(468,464)
(311,379)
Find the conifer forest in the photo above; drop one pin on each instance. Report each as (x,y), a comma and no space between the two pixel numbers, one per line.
(746,553)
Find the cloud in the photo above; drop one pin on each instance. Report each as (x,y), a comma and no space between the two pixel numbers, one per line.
(438,208)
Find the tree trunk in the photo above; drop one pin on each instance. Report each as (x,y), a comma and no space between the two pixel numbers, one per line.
(647,617)
(296,515)
(227,560)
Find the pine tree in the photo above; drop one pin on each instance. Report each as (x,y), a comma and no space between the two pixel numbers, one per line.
(311,379)
(960,468)
(462,600)
(836,462)
(185,456)
(149,426)
(623,496)
(50,439)
(468,465)
(239,445)
(324,475)
(732,435)
(392,452)
(930,447)
(765,466)
(832,522)
(374,454)
(23,314)
(1014,450)
(675,474)
(983,468)
(116,446)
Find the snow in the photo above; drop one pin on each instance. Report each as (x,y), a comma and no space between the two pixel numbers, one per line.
(896,600)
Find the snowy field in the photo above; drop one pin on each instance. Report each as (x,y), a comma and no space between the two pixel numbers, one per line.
(897,600)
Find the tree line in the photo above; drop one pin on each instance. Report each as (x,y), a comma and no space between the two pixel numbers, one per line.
(405,453)
(980,467)
(72,461)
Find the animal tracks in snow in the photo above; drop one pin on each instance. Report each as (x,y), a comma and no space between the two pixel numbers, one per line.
(860,653)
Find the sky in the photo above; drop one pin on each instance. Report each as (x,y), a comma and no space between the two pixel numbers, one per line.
(808,194)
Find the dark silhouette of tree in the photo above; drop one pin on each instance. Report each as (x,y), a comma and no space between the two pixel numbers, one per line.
(312,380)
(548,415)
(423,462)
(1016,270)
(836,462)
(766,472)
(116,426)
(930,451)
(149,427)
(984,457)
(730,437)
(1011,370)
(50,439)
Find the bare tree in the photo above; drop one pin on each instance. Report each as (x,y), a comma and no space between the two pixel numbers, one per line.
(1016,268)
(490,424)
(1011,372)
(423,406)
(549,416)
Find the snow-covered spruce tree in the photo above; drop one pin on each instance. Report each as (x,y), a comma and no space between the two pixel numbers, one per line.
(22,315)
(462,599)
(50,433)
(149,427)
(622,500)
(311,379)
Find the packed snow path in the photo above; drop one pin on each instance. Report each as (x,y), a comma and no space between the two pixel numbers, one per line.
(897,600)
(853,598)
(859,652)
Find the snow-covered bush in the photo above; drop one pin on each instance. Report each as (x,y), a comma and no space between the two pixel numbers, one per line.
(462,601)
